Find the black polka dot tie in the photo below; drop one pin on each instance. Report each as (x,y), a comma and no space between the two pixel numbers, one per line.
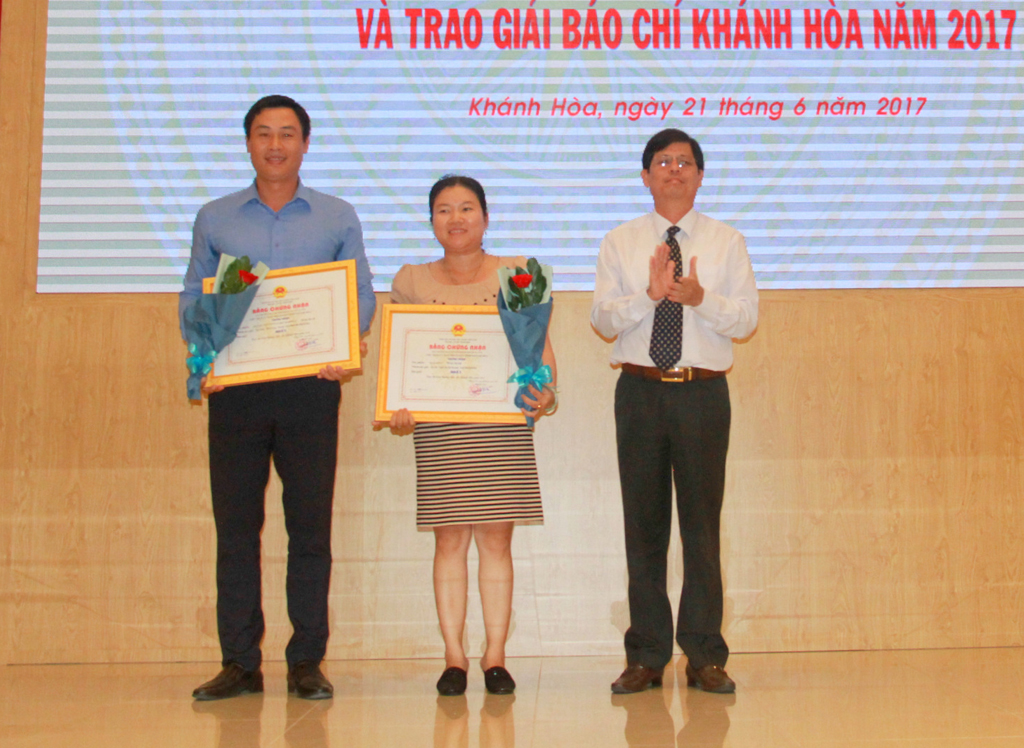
(667,333)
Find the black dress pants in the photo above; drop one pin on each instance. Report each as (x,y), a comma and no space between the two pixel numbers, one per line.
(666,431)
(294,421)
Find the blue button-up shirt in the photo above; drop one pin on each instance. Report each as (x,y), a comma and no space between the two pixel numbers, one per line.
(311,229)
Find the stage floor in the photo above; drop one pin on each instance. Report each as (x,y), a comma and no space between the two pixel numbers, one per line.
(930,698)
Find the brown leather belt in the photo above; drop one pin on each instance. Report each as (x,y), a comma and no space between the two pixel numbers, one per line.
(682,374)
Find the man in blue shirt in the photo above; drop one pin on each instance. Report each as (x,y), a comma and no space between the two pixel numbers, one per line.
(285,224)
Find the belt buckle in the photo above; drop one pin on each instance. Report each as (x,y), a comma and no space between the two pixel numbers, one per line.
(683,374)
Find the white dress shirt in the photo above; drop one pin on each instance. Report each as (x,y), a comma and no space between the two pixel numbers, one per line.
(622,307)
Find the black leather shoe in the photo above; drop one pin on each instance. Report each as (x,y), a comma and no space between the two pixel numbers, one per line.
(636,678)
(452,682)
(498,681)
(233,680)
(710,678)
(307,682)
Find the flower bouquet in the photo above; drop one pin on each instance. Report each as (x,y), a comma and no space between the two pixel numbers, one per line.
(524,306)
(212,321)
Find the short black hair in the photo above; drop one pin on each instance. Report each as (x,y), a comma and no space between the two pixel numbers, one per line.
(664,139)
(277,101)
(452,180)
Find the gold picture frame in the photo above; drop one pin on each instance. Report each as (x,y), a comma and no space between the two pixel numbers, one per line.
(306,326)
(449,363)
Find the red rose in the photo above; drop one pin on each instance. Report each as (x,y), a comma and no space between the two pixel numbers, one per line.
(247,277)
(523,280)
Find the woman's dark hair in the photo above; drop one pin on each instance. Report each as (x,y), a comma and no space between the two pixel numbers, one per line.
(452,180)
(277,102)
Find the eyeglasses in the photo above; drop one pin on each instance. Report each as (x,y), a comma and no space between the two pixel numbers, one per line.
(666,162)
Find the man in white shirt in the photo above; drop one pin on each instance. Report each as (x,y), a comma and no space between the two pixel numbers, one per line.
(672,409)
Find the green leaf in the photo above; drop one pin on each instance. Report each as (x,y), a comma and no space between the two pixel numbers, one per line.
(232,283)
(533,267)
(515,297)
(540,285)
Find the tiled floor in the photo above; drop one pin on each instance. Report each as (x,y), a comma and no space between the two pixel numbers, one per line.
(930,699)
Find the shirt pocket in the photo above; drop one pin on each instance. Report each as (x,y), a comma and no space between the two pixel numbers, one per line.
(710,273)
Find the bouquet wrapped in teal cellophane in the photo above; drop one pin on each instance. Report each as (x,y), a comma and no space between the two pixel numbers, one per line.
(524,306)
(211,322)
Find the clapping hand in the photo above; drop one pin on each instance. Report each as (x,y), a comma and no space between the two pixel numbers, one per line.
(687,290)
(662,273)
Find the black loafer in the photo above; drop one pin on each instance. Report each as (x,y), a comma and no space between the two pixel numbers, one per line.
(307,682)
(498,681)
(452,682)
(232,681)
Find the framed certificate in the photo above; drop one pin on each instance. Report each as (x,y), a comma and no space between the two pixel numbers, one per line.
(301,320)
(446,364)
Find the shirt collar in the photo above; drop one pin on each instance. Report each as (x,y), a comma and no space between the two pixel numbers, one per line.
(302,193)
(687,223)
(251,194)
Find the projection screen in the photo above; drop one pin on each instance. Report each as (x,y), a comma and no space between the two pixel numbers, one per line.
(857,145)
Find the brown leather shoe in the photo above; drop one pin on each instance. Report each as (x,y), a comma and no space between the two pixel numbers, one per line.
(233,680)
(636,678)
(710,678)
(307,682)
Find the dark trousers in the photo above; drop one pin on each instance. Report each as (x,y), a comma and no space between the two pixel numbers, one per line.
(296,422)
(667,430)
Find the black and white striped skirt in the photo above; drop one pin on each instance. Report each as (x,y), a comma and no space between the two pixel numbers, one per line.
(468,473)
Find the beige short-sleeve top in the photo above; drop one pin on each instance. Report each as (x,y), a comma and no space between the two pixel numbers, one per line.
(415,284)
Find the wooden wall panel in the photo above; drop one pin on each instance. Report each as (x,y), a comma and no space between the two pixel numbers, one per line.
(873,497)
(875,482)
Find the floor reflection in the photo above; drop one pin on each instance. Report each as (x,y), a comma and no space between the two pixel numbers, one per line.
(649,722)
(497,725)
(451,722)
(305,725)
(933,698)
(707,720)
(238,720)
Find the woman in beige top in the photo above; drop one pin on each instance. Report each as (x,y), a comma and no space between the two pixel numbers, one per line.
(473,481)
